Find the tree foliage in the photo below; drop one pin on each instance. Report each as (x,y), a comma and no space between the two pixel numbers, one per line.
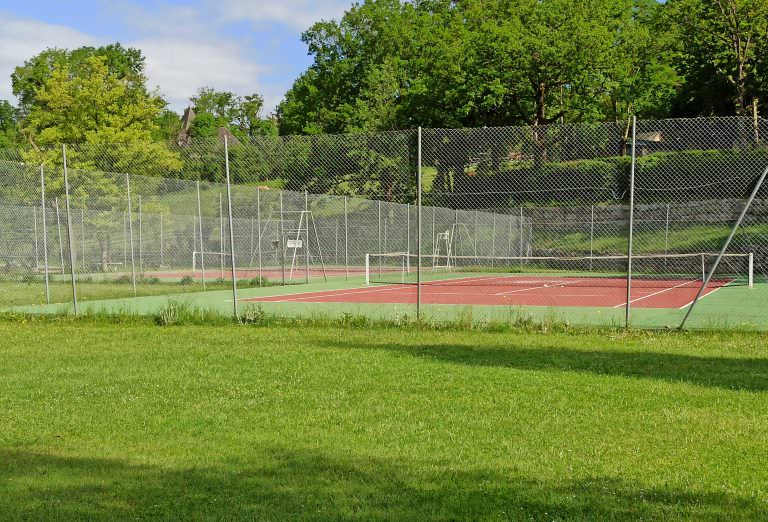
(241,114)
(388,64)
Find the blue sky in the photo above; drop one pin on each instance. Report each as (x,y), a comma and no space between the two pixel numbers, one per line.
(244,46)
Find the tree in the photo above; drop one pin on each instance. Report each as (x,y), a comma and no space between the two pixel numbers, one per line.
(127,64)
(240,114)
(389,64)
(168,125)
(8,124)
(721,44)
(112,124)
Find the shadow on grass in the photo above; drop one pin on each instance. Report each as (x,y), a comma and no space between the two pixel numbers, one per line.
(748,374)
(278,485)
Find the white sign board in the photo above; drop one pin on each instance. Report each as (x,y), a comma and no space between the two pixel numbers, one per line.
(293,243)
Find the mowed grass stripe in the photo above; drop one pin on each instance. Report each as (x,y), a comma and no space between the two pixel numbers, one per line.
(139,421)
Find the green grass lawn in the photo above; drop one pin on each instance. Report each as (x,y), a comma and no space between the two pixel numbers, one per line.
(127,421)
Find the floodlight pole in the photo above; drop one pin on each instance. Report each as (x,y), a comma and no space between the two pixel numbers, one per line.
(418,225)
(628,309)
(69,231)
(735,227)
(231,227)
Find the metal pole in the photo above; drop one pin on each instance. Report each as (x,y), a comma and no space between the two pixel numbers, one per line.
(45,234)
(726,244)
(666,236)
(141,259)
(306,246)
(346,240)
(631,225)
(418,225)
(82,238)
(281,242)
(130,231)
(258,227)
(161,239)
(379,242)
(591,235)
(336,245)
(521,237)
(200,232)
(69,230)
(231,228)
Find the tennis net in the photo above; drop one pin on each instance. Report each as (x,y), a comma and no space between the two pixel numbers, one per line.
(649,270)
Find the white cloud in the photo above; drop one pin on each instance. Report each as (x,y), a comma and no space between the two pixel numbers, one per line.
(180,66)
(299,14)
(21,39)
(185,51)
(186,47)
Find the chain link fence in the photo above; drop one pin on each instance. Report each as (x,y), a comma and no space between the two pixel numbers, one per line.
(579,223)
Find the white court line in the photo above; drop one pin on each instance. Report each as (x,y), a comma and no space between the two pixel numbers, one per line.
(559,285)
(654,293)
(686,305)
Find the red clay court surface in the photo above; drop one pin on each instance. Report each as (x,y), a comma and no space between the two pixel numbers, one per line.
(517,291)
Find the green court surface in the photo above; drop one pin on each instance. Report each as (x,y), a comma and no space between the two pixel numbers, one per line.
(731,307)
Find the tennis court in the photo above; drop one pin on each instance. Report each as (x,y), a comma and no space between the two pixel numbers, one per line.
(517,290)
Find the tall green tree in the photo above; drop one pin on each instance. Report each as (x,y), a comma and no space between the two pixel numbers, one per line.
(124,63)
(8,124)
(241,114)
(389,64)
(721,49)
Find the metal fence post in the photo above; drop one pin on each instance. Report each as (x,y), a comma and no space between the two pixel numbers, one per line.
(379,241)
(258,229)
(82,238)
(141,257)
(231,228)
(418,226)
(735,227)
(281,241)
(591,235)
(346,240)
(130,232)
(666,236)
(306,246)
(69,230)
(125,242)
(45,235)
(200,232)
(631,225)
(521,237)
(161,239)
